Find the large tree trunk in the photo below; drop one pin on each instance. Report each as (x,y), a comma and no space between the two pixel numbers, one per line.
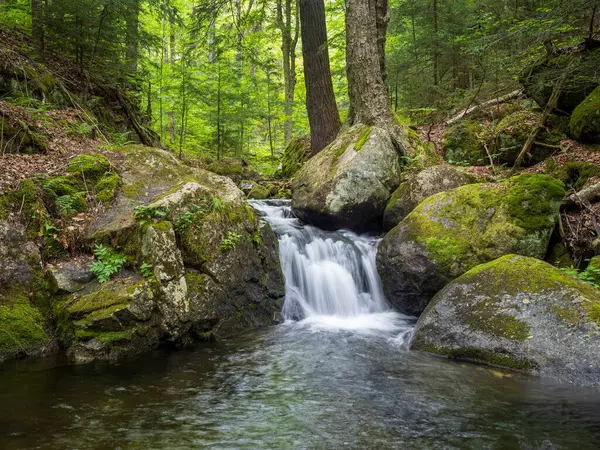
(366,25)
(288,48)
(366,86)
(322,110)
(37,27)
(132,35)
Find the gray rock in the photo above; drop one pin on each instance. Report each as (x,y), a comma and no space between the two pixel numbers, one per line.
(453,231)
(417,187)
(520,313)
(71,276)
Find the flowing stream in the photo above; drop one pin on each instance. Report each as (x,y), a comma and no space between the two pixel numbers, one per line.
(336,375)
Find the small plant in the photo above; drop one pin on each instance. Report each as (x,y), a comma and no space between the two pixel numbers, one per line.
(81,129)
(189,218)
(107,264)
(257,239)
(591,275)
(230,241)
(218,205)
(69,205)
(146,270)
(145,214)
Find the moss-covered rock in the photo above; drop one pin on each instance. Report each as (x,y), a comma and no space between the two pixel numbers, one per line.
(91,166)
(465,143)
(453,231)
(520,313)
(236,169)
(344,186)
(417,187)
(23,294)
(574,174)
(107,187)
(259,192)
(19,137)
(296,153)
(512,132)
(585,120)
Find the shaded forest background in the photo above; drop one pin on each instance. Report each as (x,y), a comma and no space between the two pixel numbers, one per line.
(224,78)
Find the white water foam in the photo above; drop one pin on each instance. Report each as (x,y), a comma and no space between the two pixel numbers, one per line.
(331,278)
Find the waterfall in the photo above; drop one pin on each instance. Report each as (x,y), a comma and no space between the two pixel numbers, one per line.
(330,276)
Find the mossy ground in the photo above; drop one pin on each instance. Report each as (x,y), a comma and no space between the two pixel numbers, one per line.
(464,143)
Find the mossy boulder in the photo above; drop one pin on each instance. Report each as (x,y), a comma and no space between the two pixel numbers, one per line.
(453,231)
(19,137)
(585,120)
(417,187)
(520,313)
(236,169)
(24,295)
(107,187)
(512,132)
(465,143)
(540,78)
(574,174)
(349,183)
(296,153)
(259,192)
(91,166)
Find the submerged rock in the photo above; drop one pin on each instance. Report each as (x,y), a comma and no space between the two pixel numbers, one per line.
(454,231)
(417,187)
(520,313)
(348,184)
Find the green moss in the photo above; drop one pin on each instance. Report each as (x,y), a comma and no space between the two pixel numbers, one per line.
(26,202)
(574,174)
(70,205)
(106,188)
(63,185)
(21,327)
(585,120)
(258,192)
(565,314)
(105,337)
(109,295)
(295,154)
(464,143)
(363,137)
(227,167)
(485,317)
(91,166)
(533,200)
(479,355)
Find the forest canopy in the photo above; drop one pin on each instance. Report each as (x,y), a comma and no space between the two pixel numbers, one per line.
(225,78)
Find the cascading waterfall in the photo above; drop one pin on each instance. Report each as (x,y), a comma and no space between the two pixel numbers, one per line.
(330,277)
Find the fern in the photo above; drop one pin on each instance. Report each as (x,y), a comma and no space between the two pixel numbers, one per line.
(230,241)
(107,263)
(144,214)
(218,205)
(146,270)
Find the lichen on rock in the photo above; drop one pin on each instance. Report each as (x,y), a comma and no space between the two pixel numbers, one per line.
(517,312)
(453,231)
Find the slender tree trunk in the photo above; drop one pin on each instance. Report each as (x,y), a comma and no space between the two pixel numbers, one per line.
(436,44)
(172,127)
(132,35)
(288,48)
(38,30)
(212,34)
(172,51)
(322,110)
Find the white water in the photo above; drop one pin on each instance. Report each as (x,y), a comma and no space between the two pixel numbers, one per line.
(331,278)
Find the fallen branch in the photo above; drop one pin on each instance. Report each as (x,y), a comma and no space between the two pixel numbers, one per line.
(584,197)
(473,109)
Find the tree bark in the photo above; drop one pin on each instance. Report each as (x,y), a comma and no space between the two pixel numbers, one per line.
(436,44)
(366,87)
(322,109)
(132,35)
(38,30)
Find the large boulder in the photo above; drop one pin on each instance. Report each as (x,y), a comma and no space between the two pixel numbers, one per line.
(585,120)
(520,313)
(417,187)
(454,231)
(348,184)
(465,143)
(512,132)
(207,266)
(23,294)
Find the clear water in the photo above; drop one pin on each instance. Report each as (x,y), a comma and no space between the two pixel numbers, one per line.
(334,377)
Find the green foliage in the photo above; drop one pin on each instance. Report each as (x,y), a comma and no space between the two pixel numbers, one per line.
(107,187)
(69,205)
(146,270)
(90,166)
(191,217)
(81,129)
(107,264)
(218,205)
(230,241)
(144,214)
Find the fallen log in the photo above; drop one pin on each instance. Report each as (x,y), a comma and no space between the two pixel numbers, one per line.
(495,101)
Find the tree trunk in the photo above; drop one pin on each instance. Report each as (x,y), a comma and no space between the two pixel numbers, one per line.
(322,110)
(382,19)
(288,48)
(38,29)
(132,35)
(436,44)
(366,88)
(172,127)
